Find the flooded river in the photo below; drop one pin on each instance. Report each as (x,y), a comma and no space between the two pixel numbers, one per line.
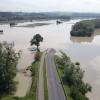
(84,50)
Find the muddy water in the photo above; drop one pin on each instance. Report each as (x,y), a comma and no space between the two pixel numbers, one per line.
(21,40)
(84,50)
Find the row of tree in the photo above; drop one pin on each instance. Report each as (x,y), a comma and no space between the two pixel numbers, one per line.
(8,62)
(73,77)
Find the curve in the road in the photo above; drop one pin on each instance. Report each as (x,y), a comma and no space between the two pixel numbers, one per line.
(55,90)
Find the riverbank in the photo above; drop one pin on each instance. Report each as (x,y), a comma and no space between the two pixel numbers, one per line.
(32,25)
(71,76)
(22,75)
(13,21)
(32,93)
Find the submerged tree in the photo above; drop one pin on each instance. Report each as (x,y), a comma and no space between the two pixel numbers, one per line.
(36,40)
(8,62)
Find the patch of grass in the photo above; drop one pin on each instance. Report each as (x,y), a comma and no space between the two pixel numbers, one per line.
(32,95)
(45,82)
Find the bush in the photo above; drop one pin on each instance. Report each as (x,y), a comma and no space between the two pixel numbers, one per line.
(76,95)
(73,78)
(8,62)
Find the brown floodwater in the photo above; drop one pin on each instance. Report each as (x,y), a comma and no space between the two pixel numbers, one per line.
(85,50)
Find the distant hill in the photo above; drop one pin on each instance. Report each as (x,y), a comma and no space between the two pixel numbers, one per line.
(86,15)
(8,16)
(73,14)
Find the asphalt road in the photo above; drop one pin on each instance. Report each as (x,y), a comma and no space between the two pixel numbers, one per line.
(55,90)
(41,80)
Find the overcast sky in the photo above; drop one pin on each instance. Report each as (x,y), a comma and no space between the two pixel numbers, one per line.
(50,5)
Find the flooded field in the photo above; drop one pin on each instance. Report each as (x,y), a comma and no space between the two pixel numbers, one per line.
(85,50)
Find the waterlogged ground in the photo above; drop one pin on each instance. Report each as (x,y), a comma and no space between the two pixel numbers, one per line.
(84,50)
(21,40)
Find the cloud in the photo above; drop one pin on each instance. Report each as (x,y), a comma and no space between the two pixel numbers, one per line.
(50,5)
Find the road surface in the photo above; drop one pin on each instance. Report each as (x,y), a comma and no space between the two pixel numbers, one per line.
(55,90)
(41,80)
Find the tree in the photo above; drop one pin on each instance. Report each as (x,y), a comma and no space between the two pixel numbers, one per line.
(36,40)
(8,62)
(83,28)
(72,76)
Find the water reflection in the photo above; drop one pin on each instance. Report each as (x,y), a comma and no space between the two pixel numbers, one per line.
(81,39)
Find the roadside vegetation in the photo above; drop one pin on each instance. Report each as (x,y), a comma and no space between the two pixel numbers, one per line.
(71,76)
(8,62)
(45,82)
(85,28)
(32,94)
(34,68)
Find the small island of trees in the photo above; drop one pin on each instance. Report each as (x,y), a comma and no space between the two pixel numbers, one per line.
(85,28)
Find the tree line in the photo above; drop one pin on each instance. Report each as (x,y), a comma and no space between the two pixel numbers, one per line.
(72,76)
(8,62)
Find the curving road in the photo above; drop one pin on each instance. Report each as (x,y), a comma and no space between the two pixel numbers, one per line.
(55,90)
